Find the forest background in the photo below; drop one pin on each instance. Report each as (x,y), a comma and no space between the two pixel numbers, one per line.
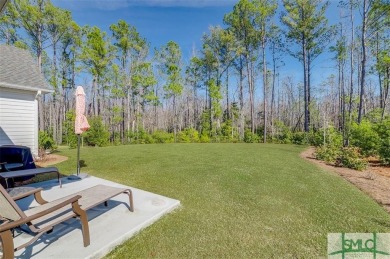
(233,88)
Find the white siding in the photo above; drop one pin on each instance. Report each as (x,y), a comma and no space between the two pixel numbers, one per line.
(19,118)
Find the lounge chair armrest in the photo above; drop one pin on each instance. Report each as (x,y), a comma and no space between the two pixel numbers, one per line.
(19,222)
(26,194)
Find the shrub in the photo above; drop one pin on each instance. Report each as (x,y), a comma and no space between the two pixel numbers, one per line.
(116,139)
(315,138)
(45,141)
(299,138)
(250,137)
(327,153)
(364,137)
(141,137)
(189,135)
(384,152)
(97,135)
(351,157)
(204,138)
(160,136)
(383,131)
(69,137)
(229,134)
(283,133)
(331,137)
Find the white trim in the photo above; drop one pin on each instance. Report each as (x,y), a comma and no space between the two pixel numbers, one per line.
(26,88)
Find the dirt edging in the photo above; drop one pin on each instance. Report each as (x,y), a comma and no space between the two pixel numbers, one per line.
(373,181)
(51,159)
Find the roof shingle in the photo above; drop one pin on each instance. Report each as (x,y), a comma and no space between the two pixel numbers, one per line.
(18,70)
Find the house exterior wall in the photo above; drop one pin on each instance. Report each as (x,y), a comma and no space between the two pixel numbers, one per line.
(19,118)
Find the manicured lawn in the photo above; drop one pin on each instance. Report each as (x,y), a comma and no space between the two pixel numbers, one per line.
(238,200)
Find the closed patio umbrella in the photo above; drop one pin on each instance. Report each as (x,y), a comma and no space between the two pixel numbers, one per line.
(81,122)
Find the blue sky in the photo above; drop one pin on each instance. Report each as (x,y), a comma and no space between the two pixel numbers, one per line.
(183,21)
(159,21)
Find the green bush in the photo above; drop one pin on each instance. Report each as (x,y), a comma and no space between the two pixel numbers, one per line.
(116,139)
(45,141)
(283,133)
(299,138)
(351,157)
(365,137)
(384,152)
(189,135)
(228,132)
(383,131)
(250,137)
(160,136)
(204,138)
(69,137)
(331,137)
(97,135)
(345,156)
(327,153)
(315,138)
(141,137)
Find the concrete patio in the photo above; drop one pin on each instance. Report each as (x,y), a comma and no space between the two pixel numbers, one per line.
(109,226)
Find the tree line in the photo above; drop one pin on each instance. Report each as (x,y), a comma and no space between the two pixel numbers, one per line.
(136,91)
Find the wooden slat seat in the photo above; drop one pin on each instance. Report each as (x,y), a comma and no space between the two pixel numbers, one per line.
(90,198)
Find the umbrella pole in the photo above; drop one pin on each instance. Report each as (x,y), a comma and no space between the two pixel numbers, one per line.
(78,154)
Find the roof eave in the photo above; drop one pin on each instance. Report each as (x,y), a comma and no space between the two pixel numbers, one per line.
(26,88)
(2,5)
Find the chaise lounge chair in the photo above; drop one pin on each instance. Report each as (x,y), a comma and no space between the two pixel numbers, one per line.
(43,218)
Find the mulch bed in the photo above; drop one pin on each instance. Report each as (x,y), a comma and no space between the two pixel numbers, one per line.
(374,181)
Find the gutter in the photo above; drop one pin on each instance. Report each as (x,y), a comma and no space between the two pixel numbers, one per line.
(26,88)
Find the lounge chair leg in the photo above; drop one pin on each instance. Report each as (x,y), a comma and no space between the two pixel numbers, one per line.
(85,228)
(84,222)
(7,244)
(39,199)
(130,193)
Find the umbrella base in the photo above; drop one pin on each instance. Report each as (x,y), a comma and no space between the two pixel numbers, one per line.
(78,176)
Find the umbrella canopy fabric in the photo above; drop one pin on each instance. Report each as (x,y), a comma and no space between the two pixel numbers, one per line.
(81,122)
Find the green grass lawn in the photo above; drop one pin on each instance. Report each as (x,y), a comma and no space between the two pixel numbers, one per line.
(238,200)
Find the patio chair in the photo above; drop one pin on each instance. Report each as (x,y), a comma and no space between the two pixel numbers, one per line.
(40,219)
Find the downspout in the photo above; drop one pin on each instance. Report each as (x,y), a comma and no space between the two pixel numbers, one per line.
(35,148)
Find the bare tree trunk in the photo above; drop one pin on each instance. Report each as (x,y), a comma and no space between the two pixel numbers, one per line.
(273,91)
(175,118)
(241,123)
(41,118)
(351,72)
(364,60)
(265,85)
(122,124)
(251,93)
(305,86)
(94,96)
(227,95)
(386,93)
